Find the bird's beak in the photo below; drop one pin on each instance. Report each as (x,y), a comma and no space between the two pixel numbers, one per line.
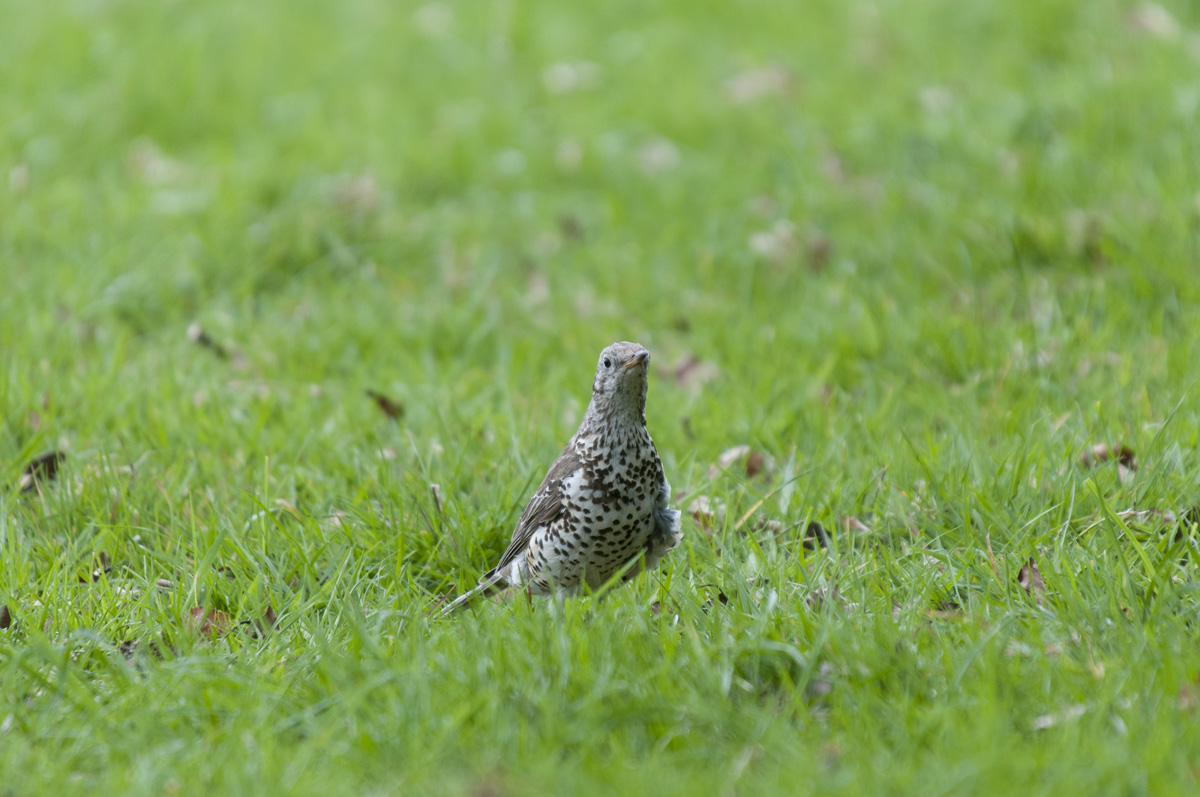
(641,358)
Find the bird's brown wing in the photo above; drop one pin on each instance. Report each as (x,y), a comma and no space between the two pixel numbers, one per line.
(545,506)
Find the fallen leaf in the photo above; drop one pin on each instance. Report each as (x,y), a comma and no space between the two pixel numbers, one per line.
(1103,452)
(42,468)
(815,536)
(707,512)
(391,408)
(1030,579)
(776,244)
(5,616)
(1188,696)
(754,461)
(852,523)
(570,226)
(197,335)
(147,162)
(208,622)
(819,249)
(1067,714)
(755,84)
(104,568)
(163,583)
(690,372)
(354,195)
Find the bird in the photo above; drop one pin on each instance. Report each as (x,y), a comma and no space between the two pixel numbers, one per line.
(603,508)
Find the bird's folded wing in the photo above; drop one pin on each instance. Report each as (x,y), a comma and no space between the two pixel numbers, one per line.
(544,507)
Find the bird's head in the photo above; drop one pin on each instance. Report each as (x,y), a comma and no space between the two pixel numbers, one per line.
(620,382)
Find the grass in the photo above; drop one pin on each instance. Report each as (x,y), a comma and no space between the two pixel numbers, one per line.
(922,253)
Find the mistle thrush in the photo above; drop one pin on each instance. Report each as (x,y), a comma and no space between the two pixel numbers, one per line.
(603,507)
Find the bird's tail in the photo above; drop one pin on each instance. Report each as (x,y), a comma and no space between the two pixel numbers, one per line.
(490,585)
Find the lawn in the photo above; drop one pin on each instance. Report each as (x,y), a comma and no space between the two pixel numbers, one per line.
(309,296)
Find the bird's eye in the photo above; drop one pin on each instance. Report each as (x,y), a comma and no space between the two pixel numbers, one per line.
(607,363)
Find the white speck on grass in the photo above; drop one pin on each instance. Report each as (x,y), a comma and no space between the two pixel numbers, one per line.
(1154,20)
(756,84)
(1067,714)
(936,100)
(18,178)
(179,201)
(434,19)
(657,156)
(774,244)
(569,76)
(510,162)
(151,165)
(569,155)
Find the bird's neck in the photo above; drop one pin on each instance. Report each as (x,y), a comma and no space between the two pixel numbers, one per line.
(608,413)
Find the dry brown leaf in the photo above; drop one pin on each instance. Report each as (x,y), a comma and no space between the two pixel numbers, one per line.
(815,536)
(5,616)
(708,513)
(1030,579)
(570,226)
(355,195)
(207,622)
(689,372)
(754,461)
(819,249)
(41,469)
(1188,697)
(1103,452)
(197,335)
(391,408)
(852,523)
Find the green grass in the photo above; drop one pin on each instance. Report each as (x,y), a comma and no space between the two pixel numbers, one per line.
(946,248)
